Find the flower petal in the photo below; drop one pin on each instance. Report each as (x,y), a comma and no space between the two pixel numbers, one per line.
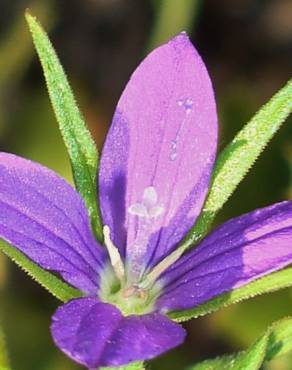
(96,334)
(45,218)
(163,137)
(241,250)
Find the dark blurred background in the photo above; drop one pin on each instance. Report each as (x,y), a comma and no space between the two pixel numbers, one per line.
(247,47)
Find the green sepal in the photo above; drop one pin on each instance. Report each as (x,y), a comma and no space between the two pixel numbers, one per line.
(267,284)
(55,286)
(276,341)
(280,339)
(132,366)
(238,157)
(80,145)
(251,359)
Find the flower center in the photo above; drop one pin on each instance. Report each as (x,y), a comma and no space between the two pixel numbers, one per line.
(131,299)
(135,291)
(118,289)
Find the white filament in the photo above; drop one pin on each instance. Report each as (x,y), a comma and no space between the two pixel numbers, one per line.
(114,254)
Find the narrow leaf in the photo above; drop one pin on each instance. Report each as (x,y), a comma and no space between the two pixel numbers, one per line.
(80,145)
(55,286)
(239,156)
(270,283)
(276,341)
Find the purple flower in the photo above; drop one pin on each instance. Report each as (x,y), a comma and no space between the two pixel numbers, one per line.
(154,175)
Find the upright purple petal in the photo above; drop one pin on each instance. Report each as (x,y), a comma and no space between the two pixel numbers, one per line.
(241,250)
(96,334)
(45,218)
(159,152)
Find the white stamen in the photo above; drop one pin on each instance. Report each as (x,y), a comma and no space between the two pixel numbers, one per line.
(154,274)
(114,254)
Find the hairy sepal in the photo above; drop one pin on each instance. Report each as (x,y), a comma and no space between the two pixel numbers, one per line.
(50,282)
(276,341)
(80,145)
(238,157)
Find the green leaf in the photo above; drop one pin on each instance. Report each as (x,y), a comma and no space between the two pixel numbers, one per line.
(239,156)
(270,283)
(80,145)
(276,341)
(57,287)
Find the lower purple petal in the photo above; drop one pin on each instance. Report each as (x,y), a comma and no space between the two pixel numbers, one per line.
(97,334)
(241,250)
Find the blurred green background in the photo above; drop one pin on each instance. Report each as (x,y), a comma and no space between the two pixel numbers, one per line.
(247,47)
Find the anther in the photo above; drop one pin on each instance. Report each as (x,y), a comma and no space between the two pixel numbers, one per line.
(114,255)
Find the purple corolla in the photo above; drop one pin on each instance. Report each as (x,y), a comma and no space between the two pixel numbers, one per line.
(154,174)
